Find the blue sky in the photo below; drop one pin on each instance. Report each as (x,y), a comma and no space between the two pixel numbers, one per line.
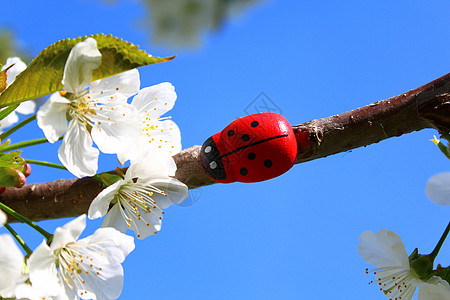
(295,236)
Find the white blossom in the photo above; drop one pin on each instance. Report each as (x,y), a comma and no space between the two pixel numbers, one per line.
(97,112)
(394,276)
(11,264)
(15,66)
(86,268)
(2,218)
(438,189)
(139,198)
(155,132)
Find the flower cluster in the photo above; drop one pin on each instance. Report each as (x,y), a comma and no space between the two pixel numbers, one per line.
(67,268)
(97,112)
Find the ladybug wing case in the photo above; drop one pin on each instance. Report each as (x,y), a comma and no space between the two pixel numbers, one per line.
(251,149)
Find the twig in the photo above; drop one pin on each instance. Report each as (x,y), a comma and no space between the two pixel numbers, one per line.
(425,107)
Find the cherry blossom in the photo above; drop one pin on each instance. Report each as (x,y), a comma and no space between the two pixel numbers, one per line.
(139,198)
(96,112)
(394,275)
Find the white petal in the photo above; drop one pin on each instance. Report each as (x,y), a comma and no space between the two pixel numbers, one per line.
(26,108)
(385,249)
(154,166)
(119,134)
(161,136)
(175,190)
(99,206)
(106,249)
(145,224)
(434,289)
(83,59)
(11,263)
(51,117)
(2,218)
(115,219)
(114,244)
(76,152)
(156,100)
(43,275)
(120,86)
(68,233)
(438,189)
(15,70)
(10,119)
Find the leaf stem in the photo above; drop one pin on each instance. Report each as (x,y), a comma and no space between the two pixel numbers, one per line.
(18,216)
(26,144)
(19,239)
(439,244)
(16,127)
(45,163)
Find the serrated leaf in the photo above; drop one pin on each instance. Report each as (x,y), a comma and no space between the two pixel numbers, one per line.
(44,74)
(12,160)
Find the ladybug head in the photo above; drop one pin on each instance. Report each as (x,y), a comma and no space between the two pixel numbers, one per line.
(211,161)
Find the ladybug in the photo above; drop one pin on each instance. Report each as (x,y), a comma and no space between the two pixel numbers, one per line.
(251,149)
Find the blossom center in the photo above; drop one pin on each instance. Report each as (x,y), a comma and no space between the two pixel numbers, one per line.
(75,265)
(394,282)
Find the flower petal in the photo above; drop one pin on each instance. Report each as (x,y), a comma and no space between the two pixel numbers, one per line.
(115,219)
(26,108)
(174,191)
(99,206)
(114,244)
(145,223)
(10,119)
(69,233)
(118,132)
(121,86)
(2,218)
(154,101)
(51,117)
(11,263)
(161,136)
(15,70)
(385,249)
(106,250)
(76,152)
(438,189)
(43,276)
(434,289)
(83,59)
(154,166)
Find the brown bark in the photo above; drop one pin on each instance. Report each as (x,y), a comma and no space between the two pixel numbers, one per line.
(425,107)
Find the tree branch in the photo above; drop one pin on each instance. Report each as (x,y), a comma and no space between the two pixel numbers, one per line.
(425,107)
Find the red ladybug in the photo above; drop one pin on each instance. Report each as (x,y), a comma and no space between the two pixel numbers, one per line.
(251,149)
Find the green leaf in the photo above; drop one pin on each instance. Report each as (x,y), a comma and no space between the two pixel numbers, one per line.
(44,74)
(12,160)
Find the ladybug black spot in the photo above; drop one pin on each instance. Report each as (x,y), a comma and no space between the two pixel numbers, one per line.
(267,163)
(251,156)
(243,171)
(230,133)
(254,124)
(245,137)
